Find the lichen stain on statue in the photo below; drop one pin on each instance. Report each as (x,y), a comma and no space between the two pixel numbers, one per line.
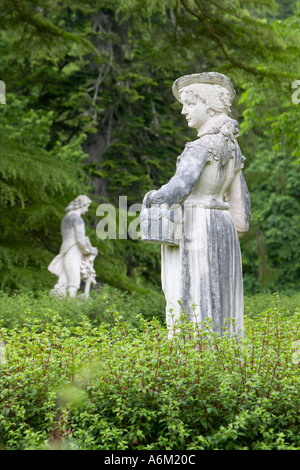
(199,215)
(75,261)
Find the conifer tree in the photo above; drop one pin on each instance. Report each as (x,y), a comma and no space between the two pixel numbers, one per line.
(89,98)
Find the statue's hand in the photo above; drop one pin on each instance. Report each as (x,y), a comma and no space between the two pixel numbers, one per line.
(148,199)
(157,198)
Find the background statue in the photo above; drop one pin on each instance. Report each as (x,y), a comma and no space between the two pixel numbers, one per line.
(202,272)
(76,257)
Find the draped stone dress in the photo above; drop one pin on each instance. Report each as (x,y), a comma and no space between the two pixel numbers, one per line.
(203,275)
(75,248)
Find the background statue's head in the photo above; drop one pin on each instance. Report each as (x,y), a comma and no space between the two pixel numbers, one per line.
(80,202)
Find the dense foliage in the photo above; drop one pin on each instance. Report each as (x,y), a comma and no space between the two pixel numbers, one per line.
(19,308)
(116,386)
(90,110)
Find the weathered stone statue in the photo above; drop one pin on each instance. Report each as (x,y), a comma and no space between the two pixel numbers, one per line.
(201,264)
(76,257)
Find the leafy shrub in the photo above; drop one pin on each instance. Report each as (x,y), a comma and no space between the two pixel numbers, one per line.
(257,303)
(19,308)
(118,387)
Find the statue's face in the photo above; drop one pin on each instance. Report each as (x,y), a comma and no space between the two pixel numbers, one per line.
(194,110)
(85,207)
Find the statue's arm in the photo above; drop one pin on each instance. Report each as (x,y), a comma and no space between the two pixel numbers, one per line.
(191,164)
(80,237)
(239,203)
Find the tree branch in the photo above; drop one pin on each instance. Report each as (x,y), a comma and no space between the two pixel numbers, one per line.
(216,37)
(225,9)
(44,25)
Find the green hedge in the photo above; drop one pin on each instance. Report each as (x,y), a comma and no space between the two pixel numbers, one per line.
(20,308)
(257,303)
(118,387)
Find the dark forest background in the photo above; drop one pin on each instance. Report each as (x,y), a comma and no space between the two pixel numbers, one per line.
(89,110)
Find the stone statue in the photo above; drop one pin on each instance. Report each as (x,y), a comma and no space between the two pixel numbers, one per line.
(201,264)
(76,257)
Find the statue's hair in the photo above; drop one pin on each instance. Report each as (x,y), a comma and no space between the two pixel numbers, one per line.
(78,202)
(215,97)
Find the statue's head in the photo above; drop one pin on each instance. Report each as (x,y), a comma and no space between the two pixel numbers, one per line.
(80,202)
(203,95)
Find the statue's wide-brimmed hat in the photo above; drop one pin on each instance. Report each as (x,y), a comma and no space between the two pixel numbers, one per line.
(212,78)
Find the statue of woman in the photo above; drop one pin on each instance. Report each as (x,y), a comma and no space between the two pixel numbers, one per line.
(76,252)
(202,276)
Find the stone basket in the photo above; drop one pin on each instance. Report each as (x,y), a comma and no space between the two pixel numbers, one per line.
(161,224)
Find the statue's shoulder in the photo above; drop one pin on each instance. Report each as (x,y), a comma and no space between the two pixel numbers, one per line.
(203,141)
(229,129)
(212,142)
(224,130)
(73,219)
(225,127)
(204,146)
